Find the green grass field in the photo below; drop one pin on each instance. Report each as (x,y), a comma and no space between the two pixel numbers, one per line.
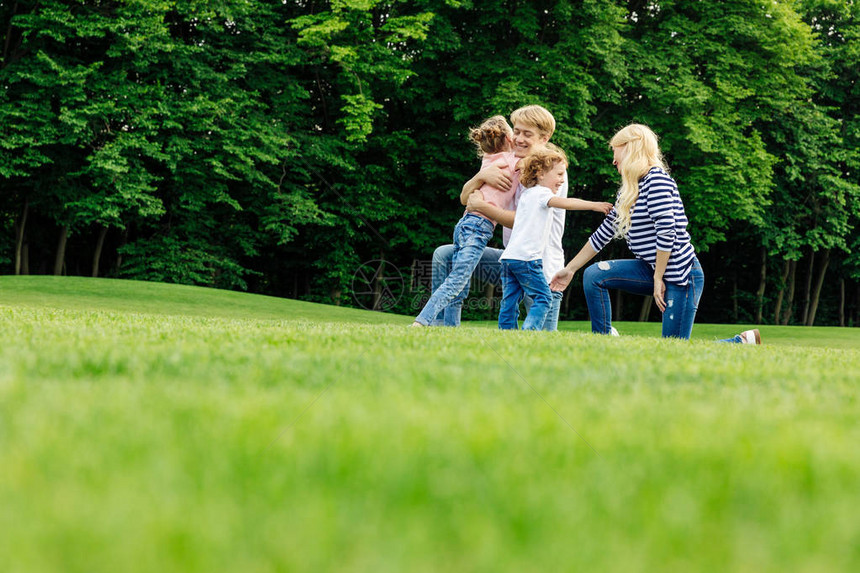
(148,427)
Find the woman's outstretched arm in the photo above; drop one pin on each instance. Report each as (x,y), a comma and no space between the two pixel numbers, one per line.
(563,277)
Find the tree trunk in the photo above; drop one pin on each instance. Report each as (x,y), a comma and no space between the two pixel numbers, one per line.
(645,311)
(97,255)
(779,296)
(735,297)
(619,305)
(841,302)
(123,243)
(761,285)
(377,288)
(792,276)
(8,40)
(61,251)
(807,293)
(857,306)
(25,259)
(19,237)
(566,304)
(816,294)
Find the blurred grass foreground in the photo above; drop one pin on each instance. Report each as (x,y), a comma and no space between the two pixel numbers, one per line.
(149,427)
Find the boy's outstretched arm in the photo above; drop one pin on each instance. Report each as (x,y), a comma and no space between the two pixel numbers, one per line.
(572,204)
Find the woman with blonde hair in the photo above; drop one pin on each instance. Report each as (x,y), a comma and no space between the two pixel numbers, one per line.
(649,214)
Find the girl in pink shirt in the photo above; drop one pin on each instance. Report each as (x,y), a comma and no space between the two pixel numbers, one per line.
(494,139)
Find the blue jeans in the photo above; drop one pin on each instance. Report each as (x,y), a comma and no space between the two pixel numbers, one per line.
(519,278)
(637,277)
(551,322)
(471,236)
(488,270)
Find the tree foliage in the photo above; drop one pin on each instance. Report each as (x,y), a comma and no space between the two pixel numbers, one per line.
(275,147)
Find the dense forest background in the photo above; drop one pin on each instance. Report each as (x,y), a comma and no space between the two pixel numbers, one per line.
(287,147)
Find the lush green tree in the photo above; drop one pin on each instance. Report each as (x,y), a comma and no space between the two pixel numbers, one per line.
(356,55)
(74,126)
(818,195)
(278,146)
(707,77)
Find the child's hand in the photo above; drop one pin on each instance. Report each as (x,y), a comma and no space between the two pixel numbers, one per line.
(475,202)
(603,207)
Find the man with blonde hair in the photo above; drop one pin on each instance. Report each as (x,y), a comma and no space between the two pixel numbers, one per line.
(533,125)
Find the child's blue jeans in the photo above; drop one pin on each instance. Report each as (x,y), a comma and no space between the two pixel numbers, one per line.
(637,277)
(471,236)
(520,278)
(551,322)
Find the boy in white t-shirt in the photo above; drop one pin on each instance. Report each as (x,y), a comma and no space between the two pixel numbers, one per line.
(542,173)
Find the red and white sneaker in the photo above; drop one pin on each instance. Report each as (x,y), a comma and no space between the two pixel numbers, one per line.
(750,336)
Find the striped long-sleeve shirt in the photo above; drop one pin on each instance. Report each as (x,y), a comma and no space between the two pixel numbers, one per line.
(657,222)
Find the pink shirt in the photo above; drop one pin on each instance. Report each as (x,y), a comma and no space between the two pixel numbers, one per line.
(497,197)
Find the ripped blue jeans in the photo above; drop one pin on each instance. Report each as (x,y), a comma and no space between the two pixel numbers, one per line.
(637,277)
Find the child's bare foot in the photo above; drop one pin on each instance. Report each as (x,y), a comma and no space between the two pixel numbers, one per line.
(416,323)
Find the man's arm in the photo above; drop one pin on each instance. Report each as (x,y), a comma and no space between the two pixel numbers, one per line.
(502,216)
(492,175)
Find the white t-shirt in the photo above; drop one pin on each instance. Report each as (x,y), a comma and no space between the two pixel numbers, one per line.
(506,231)
(531,225)
(553,255)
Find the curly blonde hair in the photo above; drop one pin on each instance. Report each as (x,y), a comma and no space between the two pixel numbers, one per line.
(490,136)
(539,162)
(643,153)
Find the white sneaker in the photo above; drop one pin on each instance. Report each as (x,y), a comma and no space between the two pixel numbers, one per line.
(750,336)
(613,332)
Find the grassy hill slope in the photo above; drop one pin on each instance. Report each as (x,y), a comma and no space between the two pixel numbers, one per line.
(80,293)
